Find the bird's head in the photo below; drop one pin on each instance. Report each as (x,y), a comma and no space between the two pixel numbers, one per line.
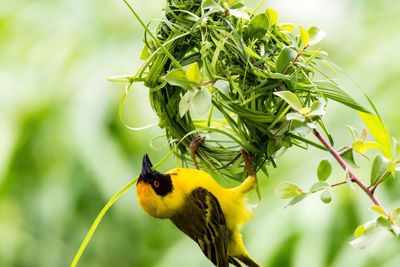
(160,183)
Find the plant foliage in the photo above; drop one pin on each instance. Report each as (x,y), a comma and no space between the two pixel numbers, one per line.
(234,74)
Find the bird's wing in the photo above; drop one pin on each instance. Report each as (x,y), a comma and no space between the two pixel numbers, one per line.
(202,219)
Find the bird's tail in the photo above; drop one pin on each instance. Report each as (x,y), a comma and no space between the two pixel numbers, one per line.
(247,185)
(248,261)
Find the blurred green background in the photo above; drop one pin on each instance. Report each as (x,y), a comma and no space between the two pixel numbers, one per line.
(64,151)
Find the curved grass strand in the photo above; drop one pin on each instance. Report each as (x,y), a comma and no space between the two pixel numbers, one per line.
(173,59)
(121,118)
(97,221)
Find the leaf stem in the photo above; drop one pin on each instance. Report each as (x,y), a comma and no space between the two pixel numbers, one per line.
(338,184)
(344,165)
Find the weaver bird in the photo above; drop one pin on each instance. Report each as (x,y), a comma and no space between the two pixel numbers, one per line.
(208,213)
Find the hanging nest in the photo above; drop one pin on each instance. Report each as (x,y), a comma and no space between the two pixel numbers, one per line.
(237,77)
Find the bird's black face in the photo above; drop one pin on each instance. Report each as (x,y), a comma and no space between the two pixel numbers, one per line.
(161,183)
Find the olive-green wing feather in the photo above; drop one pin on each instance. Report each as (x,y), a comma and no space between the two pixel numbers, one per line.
(202,220)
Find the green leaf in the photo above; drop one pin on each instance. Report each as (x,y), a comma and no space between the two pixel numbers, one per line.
(295,116)
(360,230)
(178,78)
(379,210)
(396,174)
(383,222)
(379,131)
(324,170)
(305,37)
(326,196)
(396,214)
(348,180)
(284,59)
(193,73)
(272,15)
(296,200)
(258,26)
(287,27)
(208,4)
(240,14)
(348,156)
(318,186)
(290,98)
(300,127)
(317,108)
(222,86)
(287,190)
(316,35)
(145,53)
(362,147)
(396,148)
(304,110)
(379,168)
(202,101)
(186,102)
(334,92)
(367,238)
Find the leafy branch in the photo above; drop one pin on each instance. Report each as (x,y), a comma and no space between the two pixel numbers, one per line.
(385,164)
(347,169)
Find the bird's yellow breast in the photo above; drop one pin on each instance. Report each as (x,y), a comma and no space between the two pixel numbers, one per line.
(184,181)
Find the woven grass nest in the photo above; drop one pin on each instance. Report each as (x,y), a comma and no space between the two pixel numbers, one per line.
(233,75)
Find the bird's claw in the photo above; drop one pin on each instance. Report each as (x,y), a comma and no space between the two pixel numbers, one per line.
(248,161)
(194,144)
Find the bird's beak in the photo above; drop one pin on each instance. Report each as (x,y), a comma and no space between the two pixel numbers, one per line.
(146,166)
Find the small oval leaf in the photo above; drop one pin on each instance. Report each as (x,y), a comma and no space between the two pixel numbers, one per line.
(222,86)
(290,98)
(193,73)
(296,199)
(379,210)
(202,101)
(258,26)
(367,238)
(318,186)
(360,230)
(287,190)
(284,59)
(316,35)
(304,36)
(186,102)
(178,78)
(324,170)
(272,15)
(379,168)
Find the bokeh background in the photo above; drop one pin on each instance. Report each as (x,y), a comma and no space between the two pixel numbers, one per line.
(64,151)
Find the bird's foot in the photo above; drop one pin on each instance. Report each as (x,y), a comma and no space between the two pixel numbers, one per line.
(248,161)
(194,144)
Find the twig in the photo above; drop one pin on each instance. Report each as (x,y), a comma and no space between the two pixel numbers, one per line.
(380,180)
(344,151)
(295,59)
(338,184)
(343,164)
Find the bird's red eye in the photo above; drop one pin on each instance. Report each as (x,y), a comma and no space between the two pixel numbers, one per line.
(156,184)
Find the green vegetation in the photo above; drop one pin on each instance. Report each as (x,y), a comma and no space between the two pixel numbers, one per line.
(64,152)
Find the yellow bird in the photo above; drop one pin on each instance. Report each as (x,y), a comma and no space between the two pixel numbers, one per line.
(205,211)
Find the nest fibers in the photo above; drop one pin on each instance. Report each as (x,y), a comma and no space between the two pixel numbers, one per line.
(237,77)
